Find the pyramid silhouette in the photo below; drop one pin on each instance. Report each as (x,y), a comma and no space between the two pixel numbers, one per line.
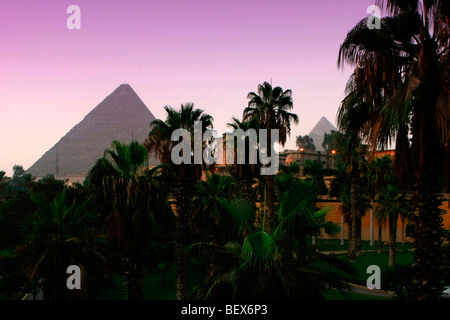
(319,130)
(121,116)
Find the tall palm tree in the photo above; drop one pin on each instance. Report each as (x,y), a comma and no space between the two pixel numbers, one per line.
(410,53)
(139,208)
(271,106)
(186,176)
(392,205)
(351,155)
(380,174)
(245,173)
(60,235)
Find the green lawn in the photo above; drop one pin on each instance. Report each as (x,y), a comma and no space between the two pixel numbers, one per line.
(361,264)
(152,285)
(335,245)
(381,260)
(153,290)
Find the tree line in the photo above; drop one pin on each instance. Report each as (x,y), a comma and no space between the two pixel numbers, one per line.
(397,94)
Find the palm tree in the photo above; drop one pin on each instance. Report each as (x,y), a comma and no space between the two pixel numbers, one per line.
(127,159)
(314,170)
(159,141)
(410,54)
(264,266)
(381,219)
(380,174)
(391,204)
(61,235)
(271,107)
(139,208)
(284,182)
(346,216)
(384,183)
(363,206)
(351,155)
(245,173)
(252,270)
(243,213)
(300,219)
(210,217)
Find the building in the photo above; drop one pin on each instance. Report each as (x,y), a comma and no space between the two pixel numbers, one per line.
(300,156)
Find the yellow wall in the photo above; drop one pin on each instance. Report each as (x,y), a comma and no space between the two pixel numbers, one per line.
(334,215)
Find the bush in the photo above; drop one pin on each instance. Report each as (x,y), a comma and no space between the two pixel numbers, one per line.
(399,280)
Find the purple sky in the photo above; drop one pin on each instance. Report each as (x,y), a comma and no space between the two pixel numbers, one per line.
(210,52)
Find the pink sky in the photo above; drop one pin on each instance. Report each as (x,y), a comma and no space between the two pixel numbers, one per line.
(210,52)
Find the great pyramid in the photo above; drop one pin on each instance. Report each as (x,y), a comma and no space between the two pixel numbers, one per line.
(121,116)
(319,130)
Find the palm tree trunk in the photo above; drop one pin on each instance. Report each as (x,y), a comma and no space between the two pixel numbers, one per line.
(372,221)
(183,223)
(380,237)
(403,231)
(358,243)
(392,240)
(428,247)
(247,190)
(427,164)
(270,209)
(352,245)
(134,276)
(350,232)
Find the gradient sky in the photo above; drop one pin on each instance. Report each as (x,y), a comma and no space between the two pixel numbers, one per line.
(210,52)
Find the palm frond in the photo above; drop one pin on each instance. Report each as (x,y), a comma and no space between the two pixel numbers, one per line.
(260,250)
(243,211)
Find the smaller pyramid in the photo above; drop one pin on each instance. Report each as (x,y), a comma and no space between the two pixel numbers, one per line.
(120,116)
(319,130)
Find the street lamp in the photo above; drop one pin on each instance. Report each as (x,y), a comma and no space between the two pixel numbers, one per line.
(333,153)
